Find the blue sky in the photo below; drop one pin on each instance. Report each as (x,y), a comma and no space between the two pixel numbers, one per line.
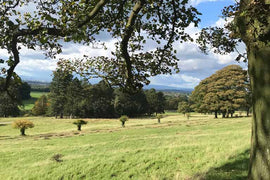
(194,66)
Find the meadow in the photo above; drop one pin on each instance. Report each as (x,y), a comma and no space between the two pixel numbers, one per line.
(29,103)
(199,148)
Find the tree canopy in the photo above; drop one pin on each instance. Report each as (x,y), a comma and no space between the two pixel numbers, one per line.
(134,23)
(225,91)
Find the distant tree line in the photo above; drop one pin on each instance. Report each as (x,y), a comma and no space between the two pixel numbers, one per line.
(72,97)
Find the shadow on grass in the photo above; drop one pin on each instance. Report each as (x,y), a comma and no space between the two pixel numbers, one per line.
(235,169)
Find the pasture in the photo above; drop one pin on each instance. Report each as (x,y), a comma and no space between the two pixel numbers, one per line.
(199,148)
(29,103)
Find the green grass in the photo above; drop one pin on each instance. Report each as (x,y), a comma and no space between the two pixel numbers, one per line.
(199,148)
(29,104)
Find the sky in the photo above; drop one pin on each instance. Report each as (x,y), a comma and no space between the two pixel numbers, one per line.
(194,65)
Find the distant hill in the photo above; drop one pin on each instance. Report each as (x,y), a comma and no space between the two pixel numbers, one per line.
(44,87)
(39,86)
(169,89)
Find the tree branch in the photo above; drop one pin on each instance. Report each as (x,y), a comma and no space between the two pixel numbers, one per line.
(94,12)
(126,36)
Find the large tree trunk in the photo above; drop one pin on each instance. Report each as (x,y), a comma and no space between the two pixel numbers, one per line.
(259,71)
(253,27)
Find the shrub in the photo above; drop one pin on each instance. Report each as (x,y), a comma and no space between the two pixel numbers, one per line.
(22,125)
(123,120)
(159,116)
(79,123)
(57,157)
(188,115)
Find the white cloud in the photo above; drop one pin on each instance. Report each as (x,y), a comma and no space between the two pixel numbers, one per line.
(175,80)
(196,2)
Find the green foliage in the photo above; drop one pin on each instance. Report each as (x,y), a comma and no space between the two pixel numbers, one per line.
(24,91)
(225,91)
(159,116)
(123,120)
(81,22)
(172,102)
(79,123)
(41,106)
(22,125)
(9,101)
(57,96)
(156,101)
(130,104)
(184,107)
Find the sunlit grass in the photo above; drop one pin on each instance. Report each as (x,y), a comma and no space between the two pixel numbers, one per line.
(29,104)
(198,148)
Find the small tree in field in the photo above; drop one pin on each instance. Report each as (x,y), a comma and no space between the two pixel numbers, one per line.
(22,125)
(159,116)
(79,124)
(123,120)
(188,115)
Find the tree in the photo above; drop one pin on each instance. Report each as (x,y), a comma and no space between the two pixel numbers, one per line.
(79,123)
(251,25)
(57,96)
(184,107)
(159,116)
(41,106)
(130,104)
(156,101)
(163,22)
(123,120)
(22,125)
(225,91)
(24,91)
(171,102)
(9,105)
(74,94)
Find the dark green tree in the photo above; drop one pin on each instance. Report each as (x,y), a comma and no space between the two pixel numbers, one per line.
(130,104)
(9,105)
(58,94)
(156,101)
(24,91)
(74,95)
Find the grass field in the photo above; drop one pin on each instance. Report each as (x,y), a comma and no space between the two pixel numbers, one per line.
(29,104)
(199,148)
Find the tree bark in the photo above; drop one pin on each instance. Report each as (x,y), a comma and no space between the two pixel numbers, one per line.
(259,71)
(216,115)
(22,132)
(79,127)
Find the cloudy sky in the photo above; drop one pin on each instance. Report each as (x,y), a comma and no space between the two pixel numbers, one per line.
(194,66)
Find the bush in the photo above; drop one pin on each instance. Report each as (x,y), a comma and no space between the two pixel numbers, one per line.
(79,123)
(123,120)
(188,115)
(159,116)
(22,125)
